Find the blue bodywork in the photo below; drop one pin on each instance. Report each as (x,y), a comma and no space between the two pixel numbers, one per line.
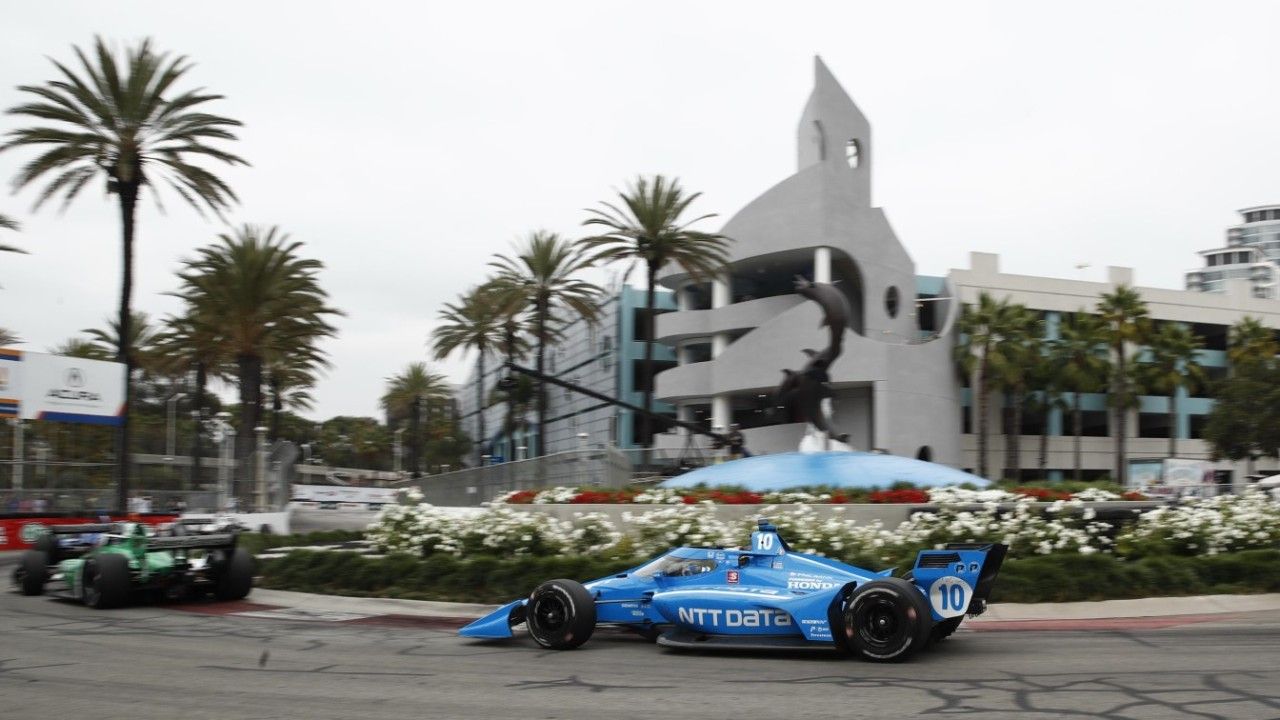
(766,591)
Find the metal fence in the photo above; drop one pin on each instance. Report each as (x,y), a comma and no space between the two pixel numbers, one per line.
(601,467)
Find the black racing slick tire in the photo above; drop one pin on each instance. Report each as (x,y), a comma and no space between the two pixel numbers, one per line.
(236,579)
(106,581)
(560,614)
(32,572)
(886,620)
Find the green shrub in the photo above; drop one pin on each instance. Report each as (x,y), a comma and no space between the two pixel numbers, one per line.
(1058,578)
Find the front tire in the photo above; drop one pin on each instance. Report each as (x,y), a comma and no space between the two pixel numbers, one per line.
(106,581)
(886,620)
(32,572)
(560,614)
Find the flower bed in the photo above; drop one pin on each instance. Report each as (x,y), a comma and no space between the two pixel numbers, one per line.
(820,496)
(1211,526)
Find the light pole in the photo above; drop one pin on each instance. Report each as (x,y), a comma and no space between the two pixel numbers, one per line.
(397,451)
(170,443)
(225,435)
(17,453)
(260,499)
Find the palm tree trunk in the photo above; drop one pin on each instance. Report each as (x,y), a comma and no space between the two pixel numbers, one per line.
(480,429)
(541,310)
(982,417)
(509,423)
(415,437)
(1043,460)
(250,390)
(646,425)
(1018,402)
(1077,422)
(1173,422)
(1120,400)
(197,448)
(128,192)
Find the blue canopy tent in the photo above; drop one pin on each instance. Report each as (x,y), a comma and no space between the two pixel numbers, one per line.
(835,469)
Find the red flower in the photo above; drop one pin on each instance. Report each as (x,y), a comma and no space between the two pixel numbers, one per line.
(899,496)
(522,497)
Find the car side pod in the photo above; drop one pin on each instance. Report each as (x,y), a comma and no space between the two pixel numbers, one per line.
(497,624)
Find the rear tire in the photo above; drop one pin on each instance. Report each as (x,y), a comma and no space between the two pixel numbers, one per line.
(32,572)
(561,614)
(886,620)
(236,579)
(106,581)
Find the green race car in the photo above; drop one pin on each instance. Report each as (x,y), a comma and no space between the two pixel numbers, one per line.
(104,564)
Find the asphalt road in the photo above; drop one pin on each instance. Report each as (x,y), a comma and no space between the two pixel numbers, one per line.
(59,659)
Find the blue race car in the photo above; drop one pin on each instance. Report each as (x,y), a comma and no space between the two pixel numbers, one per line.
(763,597)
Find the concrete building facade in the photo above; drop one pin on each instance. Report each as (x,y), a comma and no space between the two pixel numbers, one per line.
(736,334)
(1208,315)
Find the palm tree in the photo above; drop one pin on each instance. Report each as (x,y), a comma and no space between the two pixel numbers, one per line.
(540,279)
(1251,341)
(1079,354)
(261,298)
(187,346)
(473,323)
(983,331)
(140,341)
(1013,368)
(406,393)
(127,123)
(1124,318)
(1173,366)
(7,223)
(81,348)
(289,379)
(648,227)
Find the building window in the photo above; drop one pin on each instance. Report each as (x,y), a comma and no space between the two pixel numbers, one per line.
(853,153)
(925,453)
(637,372)
(606,352)
(891,301)
(697,352)
(1153,425)
(820,139)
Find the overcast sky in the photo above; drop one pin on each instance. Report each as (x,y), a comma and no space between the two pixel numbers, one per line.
(406,143)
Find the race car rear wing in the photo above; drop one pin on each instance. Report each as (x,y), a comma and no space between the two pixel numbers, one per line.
(967,572)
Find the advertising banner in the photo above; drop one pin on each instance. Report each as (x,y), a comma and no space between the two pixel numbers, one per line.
(21,533)
(1171,477)
(10,373)
(67,389)
(343,494)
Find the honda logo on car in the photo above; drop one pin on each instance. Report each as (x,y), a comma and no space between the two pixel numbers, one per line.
(810,585)
(727,617)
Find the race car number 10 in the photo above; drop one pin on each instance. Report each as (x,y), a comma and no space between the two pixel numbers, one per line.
(949,596)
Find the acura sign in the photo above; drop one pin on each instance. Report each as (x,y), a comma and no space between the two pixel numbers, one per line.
(39,386)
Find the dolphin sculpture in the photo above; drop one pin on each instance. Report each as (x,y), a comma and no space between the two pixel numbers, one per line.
(803,391)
